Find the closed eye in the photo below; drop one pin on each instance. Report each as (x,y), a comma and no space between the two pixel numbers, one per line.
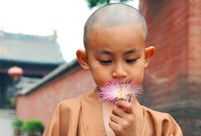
(131,60)
(105,62)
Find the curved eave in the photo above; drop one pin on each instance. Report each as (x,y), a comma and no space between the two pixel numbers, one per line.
(61,70)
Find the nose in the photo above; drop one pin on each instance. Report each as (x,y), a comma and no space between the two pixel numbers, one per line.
(119,72)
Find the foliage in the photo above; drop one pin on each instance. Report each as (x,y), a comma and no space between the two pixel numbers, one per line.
(17,123)
(32,126)
(94,3)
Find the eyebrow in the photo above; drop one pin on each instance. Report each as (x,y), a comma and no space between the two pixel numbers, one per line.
(110,53)
(104,52)
(132,51)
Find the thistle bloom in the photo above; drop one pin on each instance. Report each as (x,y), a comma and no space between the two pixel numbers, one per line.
(115,91)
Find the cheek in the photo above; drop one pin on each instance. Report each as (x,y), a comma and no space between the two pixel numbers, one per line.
(141,76)
(100,78)
(100,75)
(138,76)
(137,73)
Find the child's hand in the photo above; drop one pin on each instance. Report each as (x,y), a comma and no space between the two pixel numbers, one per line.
(122,120)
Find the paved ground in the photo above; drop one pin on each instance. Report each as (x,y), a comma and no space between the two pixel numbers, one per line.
(6,117)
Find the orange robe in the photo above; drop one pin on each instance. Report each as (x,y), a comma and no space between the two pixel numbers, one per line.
(83,116)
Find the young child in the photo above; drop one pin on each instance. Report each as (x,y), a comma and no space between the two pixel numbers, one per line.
(115,38)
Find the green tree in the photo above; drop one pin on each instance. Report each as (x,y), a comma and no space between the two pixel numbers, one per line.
(94,3)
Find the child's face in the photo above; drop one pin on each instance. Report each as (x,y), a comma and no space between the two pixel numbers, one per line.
(116,53)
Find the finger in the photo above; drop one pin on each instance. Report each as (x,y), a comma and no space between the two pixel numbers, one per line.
(125,106)
(119,112)
(115,118)
(115,127)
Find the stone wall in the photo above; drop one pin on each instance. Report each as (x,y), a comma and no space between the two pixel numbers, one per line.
(173,78)
(41,103)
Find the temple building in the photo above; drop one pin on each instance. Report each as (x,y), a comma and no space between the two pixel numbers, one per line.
(35,55)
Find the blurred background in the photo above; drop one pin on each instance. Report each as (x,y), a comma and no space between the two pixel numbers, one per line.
(38,68)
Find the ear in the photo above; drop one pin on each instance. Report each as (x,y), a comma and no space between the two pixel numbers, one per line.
(82,59)
(149,52)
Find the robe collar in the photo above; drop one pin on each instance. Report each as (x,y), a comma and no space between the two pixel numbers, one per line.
(92,115)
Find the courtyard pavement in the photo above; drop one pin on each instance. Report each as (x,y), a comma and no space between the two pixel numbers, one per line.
(6,117)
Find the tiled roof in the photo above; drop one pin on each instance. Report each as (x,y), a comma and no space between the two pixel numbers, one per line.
(60,71)
(30,48)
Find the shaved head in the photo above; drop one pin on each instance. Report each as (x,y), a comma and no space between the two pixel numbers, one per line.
(113,15)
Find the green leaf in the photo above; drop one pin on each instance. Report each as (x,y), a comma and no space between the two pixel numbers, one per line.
(94,3)
(17,123)
(32,126)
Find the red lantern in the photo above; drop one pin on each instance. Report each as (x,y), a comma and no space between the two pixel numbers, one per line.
(15,72)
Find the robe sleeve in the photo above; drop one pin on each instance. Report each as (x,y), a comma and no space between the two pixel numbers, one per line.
(173,128)
(160,124)
(65,119)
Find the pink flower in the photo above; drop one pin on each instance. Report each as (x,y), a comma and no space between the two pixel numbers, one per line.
(115,91)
